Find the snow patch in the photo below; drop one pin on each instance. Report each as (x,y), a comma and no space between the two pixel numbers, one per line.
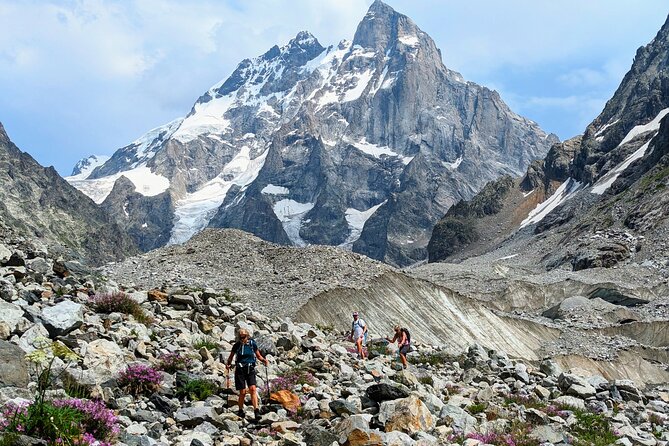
(564,193)
(379,82)
(362,82)
(271,189)
(454,165)
(607,180)
(639,129)
(356,222)
(409,40)
(206,117)
(527,194)
(603,128)
(193,212)
(507,257)
(146,183)
(378,151)
(291,214)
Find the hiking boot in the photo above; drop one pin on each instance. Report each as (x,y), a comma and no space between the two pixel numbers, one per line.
(256,414)
(240,413)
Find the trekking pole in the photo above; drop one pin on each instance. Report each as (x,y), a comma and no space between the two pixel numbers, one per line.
(267,383)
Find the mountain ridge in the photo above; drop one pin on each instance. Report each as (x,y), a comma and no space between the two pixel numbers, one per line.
(36,202)
(364,145)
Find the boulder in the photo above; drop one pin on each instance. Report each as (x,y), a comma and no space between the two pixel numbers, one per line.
(39,265)
(155,295)
(546,434)
(63,318)
(576,385)
(10,314)
(315,435)
(408,415)
(192,416)
(355,431)
(103,360)
(387,391)
(550,368)
(14,371)
(5,254)
(341,407)
(287,399)
(28,338)
(397,438)
(266,345)
(458,418)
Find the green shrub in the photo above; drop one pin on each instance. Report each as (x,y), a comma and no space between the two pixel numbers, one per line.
(477,408)
(206,342)
(196,389)
(435,359)
(592,429)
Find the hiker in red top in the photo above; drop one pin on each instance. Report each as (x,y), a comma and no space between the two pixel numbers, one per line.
(403,339)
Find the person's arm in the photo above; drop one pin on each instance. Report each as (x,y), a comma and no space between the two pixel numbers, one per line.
(258,354)
(364,328)
(260,357)
(228,363)
(404,338)
(393,339)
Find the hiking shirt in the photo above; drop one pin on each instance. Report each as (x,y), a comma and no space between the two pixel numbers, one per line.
(246,353)
(402,339)
(358,328)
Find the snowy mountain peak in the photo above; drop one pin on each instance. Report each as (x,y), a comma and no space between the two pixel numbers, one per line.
(308,145)
(85,166)
(303,40)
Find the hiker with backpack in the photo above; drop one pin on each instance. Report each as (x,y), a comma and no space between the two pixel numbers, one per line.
(246,350)
(359,334)
(403,338)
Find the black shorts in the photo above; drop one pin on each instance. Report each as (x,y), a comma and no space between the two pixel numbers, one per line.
(406,348)
(245,376)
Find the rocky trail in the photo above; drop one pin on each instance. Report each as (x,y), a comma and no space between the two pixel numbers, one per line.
(179,336)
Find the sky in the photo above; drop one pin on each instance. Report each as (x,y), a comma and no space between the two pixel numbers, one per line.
(82,77)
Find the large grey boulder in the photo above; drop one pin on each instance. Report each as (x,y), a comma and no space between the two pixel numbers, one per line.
(457,417)
(195,415)
(10,314)
(409,415)
(63,317)
(14,371)
(103,360)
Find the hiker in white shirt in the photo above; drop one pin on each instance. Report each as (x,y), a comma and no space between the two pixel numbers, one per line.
(359,334)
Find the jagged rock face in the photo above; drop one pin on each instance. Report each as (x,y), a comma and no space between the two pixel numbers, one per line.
(36,202)
(642,95)
(147,220)
(364,145)
(609,205)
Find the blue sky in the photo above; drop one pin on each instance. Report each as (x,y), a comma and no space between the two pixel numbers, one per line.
(80,77)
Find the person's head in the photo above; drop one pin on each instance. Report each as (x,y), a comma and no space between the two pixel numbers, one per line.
(397,328)
(355,315)
(243,334)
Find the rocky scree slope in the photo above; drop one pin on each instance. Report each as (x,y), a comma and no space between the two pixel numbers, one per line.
(477,396)
(364,144)
(610,208)
(323,285)
(36,202)
(276,278)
